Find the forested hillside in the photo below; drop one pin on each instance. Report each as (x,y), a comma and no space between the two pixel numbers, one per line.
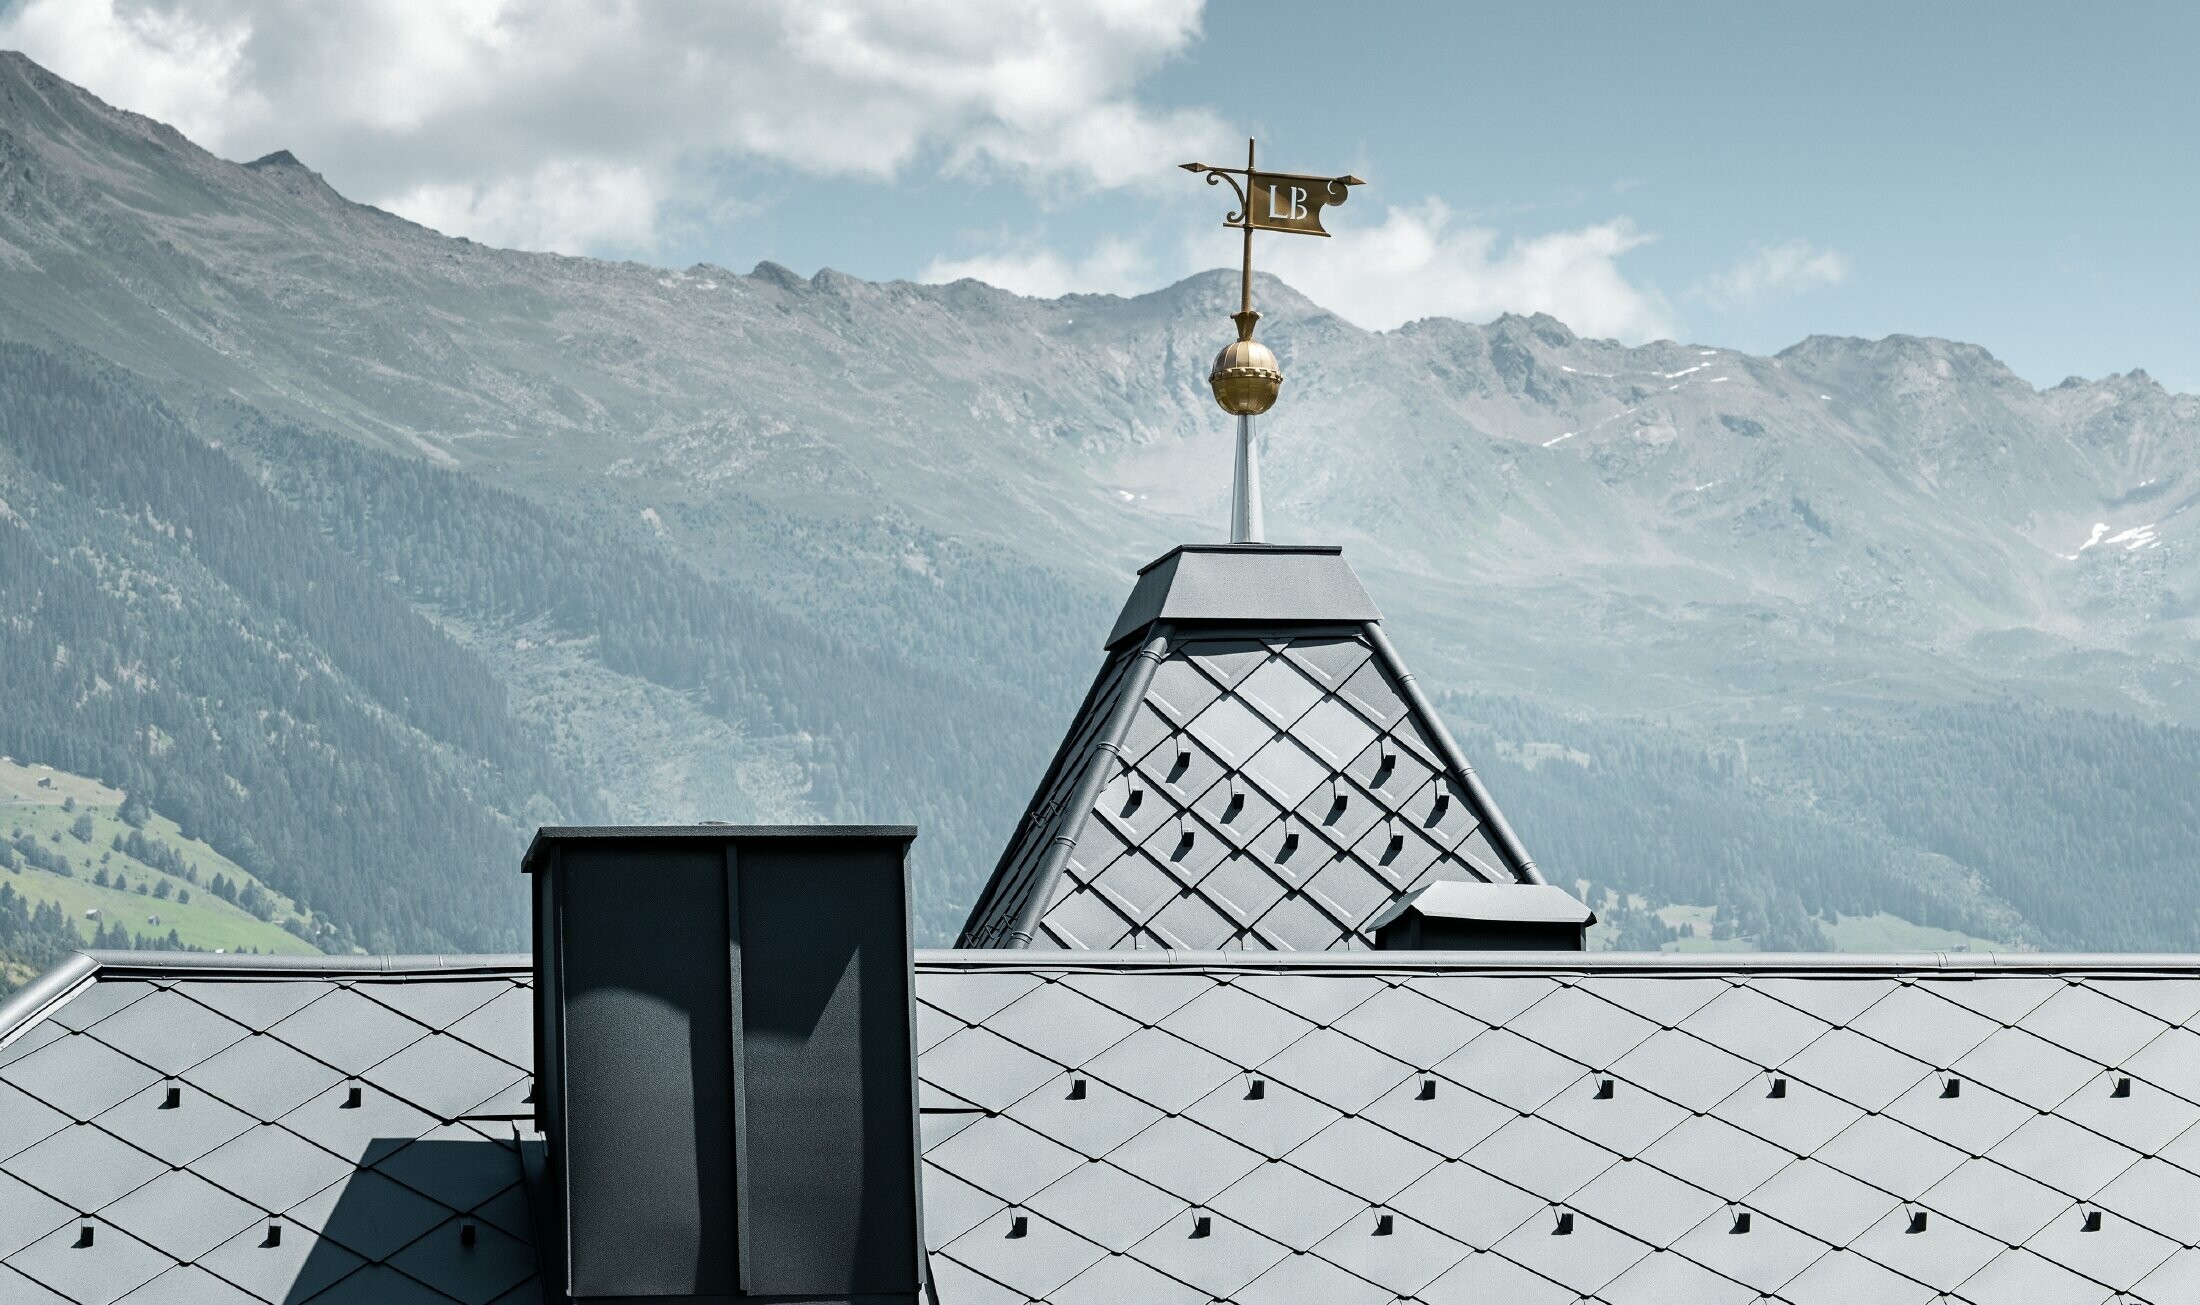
(178,632)
(2033,826)
(918,730)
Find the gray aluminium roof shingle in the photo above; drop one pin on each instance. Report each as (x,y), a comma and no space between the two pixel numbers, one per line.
(1252,768)
(1202,1127)
(1261,788)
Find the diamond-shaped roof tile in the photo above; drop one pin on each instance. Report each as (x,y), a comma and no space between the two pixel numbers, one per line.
(1942,1254)
(188,1284)
(299,1264)
(1035,1261)
(78,1075)
(84,1167)
(1106,1204)
(1312,1278)
(2019,1277)
(1644,1202)
(26,1214)
(113,1266)
(1283,1202)
(25,1119)
(473,1274)
(502,1026)
(1364,1159)
(171,1033)
(1185,1159)
(181,1215)
(1754,1026)
(1822,1201)
(1584,1259)
(1004,1158)
(2078,1018)
(1679,1280)
(1769,1254)
(1220,1258)
(262,1076)
(1114,1279)
(97,1001)
(1093,1122)
(255,1003)
(1996,1200)
(368,1214)
(444,1076)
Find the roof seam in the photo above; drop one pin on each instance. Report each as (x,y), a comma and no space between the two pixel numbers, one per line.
(1047,877)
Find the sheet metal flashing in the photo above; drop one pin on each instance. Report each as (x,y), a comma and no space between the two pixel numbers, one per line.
(1245,584)
(1516,903)
(549,836)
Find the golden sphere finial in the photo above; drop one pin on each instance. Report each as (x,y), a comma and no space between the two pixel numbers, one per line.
(1245,377)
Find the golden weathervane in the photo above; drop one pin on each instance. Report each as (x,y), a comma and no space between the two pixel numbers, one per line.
(1246,377)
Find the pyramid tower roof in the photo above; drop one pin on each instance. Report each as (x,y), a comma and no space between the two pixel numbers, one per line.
(1253,768)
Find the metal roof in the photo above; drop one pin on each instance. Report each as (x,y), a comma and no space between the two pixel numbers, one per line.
(1253,768)
(1168,1127)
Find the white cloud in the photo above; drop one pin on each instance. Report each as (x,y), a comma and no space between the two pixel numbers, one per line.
(1773,272)
(1113,267)
(574,125)
(1422,261)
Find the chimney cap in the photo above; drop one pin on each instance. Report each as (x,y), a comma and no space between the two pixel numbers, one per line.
(1246,584)
(549,836)
(1509,903)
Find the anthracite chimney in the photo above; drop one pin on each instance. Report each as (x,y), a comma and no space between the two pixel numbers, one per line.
(725,1068)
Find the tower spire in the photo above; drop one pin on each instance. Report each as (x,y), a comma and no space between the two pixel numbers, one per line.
(1246,377)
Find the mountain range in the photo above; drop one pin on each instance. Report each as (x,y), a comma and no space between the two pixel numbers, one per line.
(359,550)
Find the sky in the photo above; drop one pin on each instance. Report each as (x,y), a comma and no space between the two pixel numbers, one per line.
(2021,176)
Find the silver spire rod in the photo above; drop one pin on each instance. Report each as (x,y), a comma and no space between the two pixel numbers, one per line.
(1245,523)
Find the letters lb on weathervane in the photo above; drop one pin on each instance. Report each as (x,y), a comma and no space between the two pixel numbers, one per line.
(1287,201)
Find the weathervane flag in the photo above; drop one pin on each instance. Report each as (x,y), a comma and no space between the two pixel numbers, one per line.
(1246,378)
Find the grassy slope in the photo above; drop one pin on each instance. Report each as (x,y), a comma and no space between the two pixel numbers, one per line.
(206,921)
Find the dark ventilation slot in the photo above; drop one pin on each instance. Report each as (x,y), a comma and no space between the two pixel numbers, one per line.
(2091,1222)
(467,1234)
(1564,1226)
(84,1234)
(1236,804)
(1778,1087)
(1256,1088)
(1397,840)
(352,1095)
(1383,1224)
(1604,1089)
(274,1235)
(1019,1224)
(1386,763)
(1951,1086)
(1077,1088)
(1428,1087)
(1917,1220)
(1741,1222)
(1182,763)
(1202,1223)
(2121,1087)
(1443,805)
(1137,796)
(1290,845)
(171,1096)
